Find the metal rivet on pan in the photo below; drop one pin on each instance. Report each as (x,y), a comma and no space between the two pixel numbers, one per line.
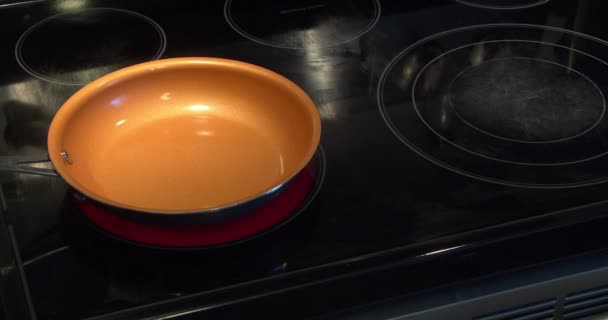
(66,157)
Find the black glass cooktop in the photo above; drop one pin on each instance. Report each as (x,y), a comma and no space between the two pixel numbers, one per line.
(445,124)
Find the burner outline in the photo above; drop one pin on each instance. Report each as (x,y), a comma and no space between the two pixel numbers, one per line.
(32,72)
(528,141)
(497,159)
(391,126)
(512,7)
(243,33)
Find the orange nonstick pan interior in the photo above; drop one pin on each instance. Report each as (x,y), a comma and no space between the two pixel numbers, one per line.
(184,135)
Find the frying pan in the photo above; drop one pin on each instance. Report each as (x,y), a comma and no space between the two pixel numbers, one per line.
(183,138)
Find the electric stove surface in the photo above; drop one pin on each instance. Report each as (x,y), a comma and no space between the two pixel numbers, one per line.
(440,119)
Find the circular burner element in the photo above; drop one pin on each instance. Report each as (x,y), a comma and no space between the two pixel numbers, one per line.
(297,24)
(75,48)
(289,204)
(503,4)
(526,100)
(513,104)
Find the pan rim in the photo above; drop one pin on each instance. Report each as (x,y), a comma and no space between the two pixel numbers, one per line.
(74,103)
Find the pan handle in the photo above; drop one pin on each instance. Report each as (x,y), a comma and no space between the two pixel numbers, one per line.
(26,164)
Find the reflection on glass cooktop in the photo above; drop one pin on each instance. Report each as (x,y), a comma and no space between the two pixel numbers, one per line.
(438,118)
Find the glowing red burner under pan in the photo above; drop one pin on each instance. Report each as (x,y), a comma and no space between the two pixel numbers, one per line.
(262,219)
